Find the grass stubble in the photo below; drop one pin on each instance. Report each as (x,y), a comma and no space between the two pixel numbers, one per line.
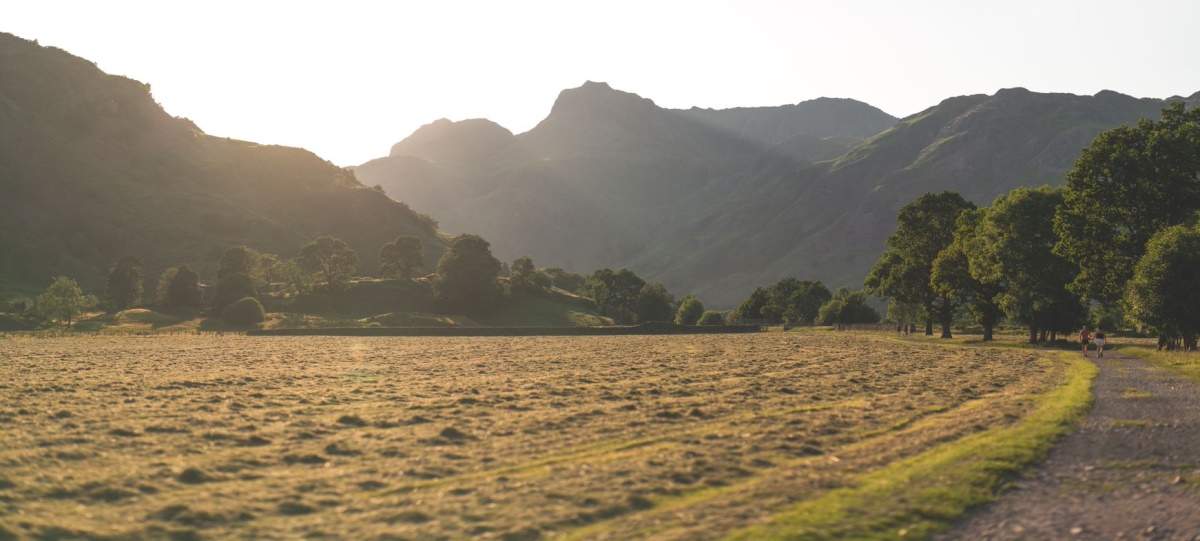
(776,435)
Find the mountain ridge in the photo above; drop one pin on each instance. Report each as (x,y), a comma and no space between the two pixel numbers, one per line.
(813,206)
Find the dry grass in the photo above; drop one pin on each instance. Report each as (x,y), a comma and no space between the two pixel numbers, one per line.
(689,437)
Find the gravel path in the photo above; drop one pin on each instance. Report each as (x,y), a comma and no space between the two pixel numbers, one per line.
(1131,470)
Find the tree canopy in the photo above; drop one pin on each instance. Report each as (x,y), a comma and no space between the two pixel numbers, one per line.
(654,303)
(1164,294)
(924,228)
(690,310)
(64,300)
(615,291)
(124,286)
(466,276)
(401,257)
(179,286)
(1129,184)
(332,259)
(1013,248)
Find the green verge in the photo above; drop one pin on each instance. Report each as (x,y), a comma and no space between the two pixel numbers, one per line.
(1182,363)
(922,495)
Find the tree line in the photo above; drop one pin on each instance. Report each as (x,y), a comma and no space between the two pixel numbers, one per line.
(1123,235)
(468,280)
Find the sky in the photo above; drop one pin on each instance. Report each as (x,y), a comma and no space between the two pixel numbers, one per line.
(348,79)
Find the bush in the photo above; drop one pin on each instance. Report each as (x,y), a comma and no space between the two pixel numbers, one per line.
(690,310)
(711,317)
(245,312)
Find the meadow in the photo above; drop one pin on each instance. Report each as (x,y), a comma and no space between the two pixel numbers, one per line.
(666,437)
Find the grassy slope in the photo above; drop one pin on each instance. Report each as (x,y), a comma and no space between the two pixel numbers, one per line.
(921,496)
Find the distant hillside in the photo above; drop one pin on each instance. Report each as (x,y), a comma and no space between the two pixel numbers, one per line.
(822,117)
(91,168)
(595,182)
(717,202)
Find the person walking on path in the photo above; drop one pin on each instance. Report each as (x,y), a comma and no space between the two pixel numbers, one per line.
(1099,340)
(1085,336)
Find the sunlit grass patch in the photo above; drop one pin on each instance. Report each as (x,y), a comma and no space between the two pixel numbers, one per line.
(1136,394)
(1186,364)
(1130,423)
(1130,465)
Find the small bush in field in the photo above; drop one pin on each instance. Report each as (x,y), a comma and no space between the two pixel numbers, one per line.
(245,312)
(711,317)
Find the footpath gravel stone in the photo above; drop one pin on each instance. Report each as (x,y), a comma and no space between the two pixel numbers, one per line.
(1130,471)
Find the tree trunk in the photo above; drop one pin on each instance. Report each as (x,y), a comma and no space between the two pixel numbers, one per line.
(1162,342)
(1033,334)
(947,317)
(988,323)
(1053,336)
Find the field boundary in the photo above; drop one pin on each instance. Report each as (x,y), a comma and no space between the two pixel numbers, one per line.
(645,329)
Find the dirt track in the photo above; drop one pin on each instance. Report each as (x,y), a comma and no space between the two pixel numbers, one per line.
(1131,471)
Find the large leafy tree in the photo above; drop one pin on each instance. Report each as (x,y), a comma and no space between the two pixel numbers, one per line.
(1129,184)
(924,228)
(654,303)
(1164,294)
(1013,248)
(63,301)
(847,307)
(466,280)
(752,307)
(524,276)
(240,259)
(615,291)
(952,277)
(332,259)
(179,287)
(401,257)
(124,287)
(690,310)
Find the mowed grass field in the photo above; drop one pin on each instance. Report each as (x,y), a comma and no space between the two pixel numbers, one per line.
(671,437)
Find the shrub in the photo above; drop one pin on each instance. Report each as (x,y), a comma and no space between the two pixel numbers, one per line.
(711,317)
(245,312)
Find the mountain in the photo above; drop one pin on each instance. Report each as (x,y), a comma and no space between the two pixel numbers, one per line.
(822,117)
(828,220)
(91,168)
(600,177)
(718,202)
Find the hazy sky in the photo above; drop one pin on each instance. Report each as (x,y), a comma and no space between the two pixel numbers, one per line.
(348,79)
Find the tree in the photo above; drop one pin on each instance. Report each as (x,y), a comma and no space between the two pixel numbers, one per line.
(231,288)
(63,301)
(179,287)
(924,228)
(690,310)
(1129,184)
(401,257)
(710,317)
(124,287)
(1014,248)
(466,276)
(752,307)
(240,259)
(293,278)
(1164,294)
(566,281)
(847,307)
(523,276)
(616,292)
(952,279)
(332,258)
(654,303)
(805,302)
(245,312)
